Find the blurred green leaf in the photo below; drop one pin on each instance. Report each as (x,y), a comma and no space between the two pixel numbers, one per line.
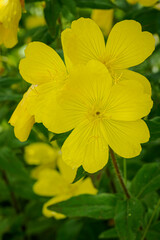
(128,218)
(109,234)
(94,206)
(154,128)
(154,232)
(7,81)
(146,180)
(52,12)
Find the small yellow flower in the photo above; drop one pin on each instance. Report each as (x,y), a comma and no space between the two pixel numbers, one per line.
(126,46)
(10,14)
(101,114)
(145,3)
(53,183)
(104,19)
(42,65)
(34,21)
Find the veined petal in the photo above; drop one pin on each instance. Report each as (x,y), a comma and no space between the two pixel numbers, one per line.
(127,45)
(86,187)
(86,146)
(134,76)
(50,183)
(22,120)
(67,172)
(128,102)
(41,64)
(83,42)
(125,137)
(49,213)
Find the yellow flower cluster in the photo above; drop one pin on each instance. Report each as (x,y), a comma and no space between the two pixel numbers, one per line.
(94,94)
(10,14)
(53,183)
(145,3)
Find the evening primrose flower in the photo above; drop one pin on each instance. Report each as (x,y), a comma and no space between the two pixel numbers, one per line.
(126,46)
(101,115)
(10,14)
(104,19)
(45,67)
(57,185)
(146,3)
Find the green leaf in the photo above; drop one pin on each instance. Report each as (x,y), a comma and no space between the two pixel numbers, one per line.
(128,218)
(109,234)
(94,206)
(154,232)
(8,95)
(70,5)
(146,180)
(52,12)
(154,128)
(60,138)
(97,4)
(80,173)
(7,81)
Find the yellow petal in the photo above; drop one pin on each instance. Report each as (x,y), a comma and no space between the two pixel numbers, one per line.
(67,172)
(22,120)
(128,102)
(41,64)
(9,35)
(36,171)
(104,19)
(147,3)
(132,1)
(83,42)
(134,76)
(86,187)
(40,153)
(127,45)
(49,213)
(86,146)
(50,183)
(125,137)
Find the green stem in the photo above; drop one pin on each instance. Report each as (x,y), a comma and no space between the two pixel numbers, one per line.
(117,171)
(125,170)
(150,221)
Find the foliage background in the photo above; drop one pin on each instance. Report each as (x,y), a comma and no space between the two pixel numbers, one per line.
(107,215)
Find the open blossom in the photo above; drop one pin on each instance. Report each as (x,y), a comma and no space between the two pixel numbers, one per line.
(126,46)
(10,14)
(146,3)
(101,114)
(53,183)
(45,67)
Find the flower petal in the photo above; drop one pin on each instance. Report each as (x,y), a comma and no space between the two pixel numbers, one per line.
(86,187)
(131,75)
(42,64)
(127,45)
(125,137)
(22,120)
(50,183)
(128,102)
(49,213)
(67,172)
(83,42)
(86,146)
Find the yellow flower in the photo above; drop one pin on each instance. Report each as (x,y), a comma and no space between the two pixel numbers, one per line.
(146,3)
(126,46)
(53,183)
(45,67)
(104,19)
(101,114)
(10,14)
